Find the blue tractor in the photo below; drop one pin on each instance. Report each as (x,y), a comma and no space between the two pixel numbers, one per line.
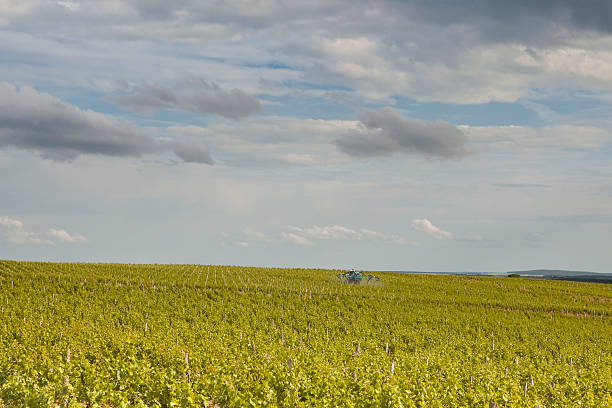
(356,277)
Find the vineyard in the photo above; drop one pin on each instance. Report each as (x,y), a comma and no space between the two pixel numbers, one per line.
(120,335)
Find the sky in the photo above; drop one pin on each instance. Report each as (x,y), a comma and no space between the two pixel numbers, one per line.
(389,135)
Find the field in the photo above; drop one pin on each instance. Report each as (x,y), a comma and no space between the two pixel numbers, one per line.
(114,335)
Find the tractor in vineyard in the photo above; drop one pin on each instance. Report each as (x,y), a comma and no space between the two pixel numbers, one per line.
(356,277)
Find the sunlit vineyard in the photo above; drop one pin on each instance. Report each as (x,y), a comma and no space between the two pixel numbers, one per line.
(115,335)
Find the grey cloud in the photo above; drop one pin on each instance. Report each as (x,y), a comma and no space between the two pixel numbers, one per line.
(386,131)
(191,151)
(498,18)
(147,99)
(493,50)
(234,104)
(593,14)
(254,15)
(39,122)
(56,130)
(534,16)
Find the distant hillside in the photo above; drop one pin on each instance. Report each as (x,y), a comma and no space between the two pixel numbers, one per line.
(578,276)
(555,274)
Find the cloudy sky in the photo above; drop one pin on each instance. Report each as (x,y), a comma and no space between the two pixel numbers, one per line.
(414,135)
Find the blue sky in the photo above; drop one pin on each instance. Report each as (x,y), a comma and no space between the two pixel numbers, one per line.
(386,135)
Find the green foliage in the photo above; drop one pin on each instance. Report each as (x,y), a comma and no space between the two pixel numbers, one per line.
(190,335)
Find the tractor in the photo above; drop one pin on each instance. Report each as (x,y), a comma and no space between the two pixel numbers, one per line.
(356,277)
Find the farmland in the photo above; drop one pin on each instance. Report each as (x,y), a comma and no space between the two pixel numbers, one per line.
(119,335)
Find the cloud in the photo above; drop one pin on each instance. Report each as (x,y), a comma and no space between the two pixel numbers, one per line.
(560,136)
(15,234)
(22,237)
(386,131)
(253,235)
(64,236)
(272,141)
(10,222)
(329,232)
(234,104)
(452,51)
(295,238)
(191,151)
(592,15)
(339,232)
(309,236)
(59,131)
(425,226)
(36,121)
(190,19)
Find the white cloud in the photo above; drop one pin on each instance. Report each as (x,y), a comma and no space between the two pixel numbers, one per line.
(329,232)
(371,233)
(20,236)
(295,238)
(425,226)
(309,235)
(10,222)
(339,232)
(15,234)
(64,236)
